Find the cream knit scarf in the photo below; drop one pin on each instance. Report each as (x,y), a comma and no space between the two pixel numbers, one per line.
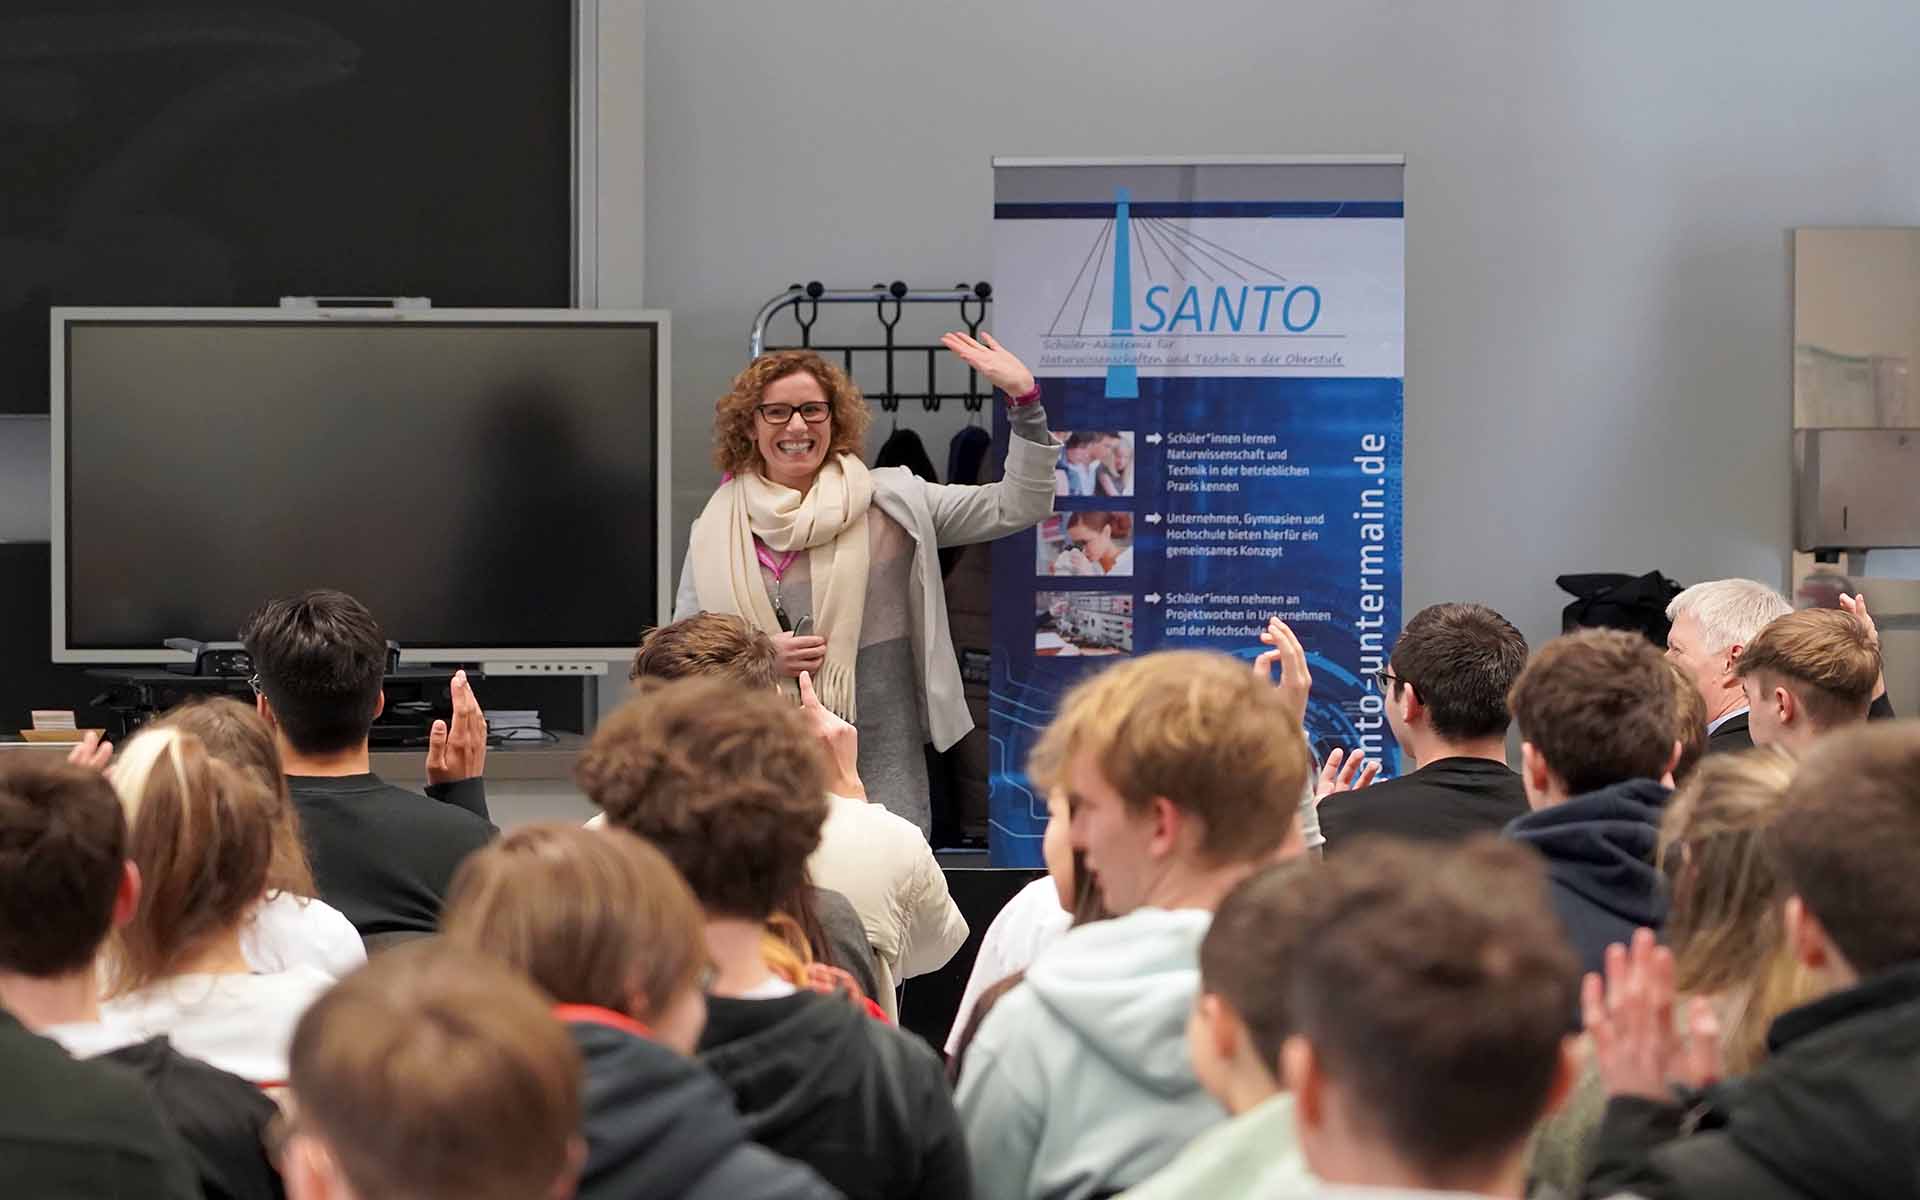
(828,521)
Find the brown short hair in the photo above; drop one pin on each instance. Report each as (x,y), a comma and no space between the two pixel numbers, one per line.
(1598,705)
(201,832)
(1198,728)
(734,449)
(593,916)
(1824,657)
(1690,722)
(1436,984)
(63,843)
(1461,660)
(707,644)
(728,783)
(1115,524)
(1248,955)
(1724,921)
(1844,842)
(321,659)
(438,1073)
(236,734)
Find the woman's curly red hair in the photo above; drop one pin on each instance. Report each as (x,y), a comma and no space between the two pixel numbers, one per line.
(734,450)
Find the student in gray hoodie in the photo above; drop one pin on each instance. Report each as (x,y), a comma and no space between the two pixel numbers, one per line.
(1183,777)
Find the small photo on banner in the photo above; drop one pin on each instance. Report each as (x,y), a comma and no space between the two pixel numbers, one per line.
(1221,345)
(1087,543)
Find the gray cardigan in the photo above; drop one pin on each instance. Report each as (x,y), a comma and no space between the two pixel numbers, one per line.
(936,515)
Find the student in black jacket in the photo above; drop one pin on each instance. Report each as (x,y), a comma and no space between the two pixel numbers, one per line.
(1445,689)
(600,922)
(75,1128)
(730,785)
(1833,1110)
(1596,715)
(381,855)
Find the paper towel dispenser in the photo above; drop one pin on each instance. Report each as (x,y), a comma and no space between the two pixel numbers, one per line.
(1856,489)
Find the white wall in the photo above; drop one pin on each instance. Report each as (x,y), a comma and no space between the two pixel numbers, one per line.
(1598,205)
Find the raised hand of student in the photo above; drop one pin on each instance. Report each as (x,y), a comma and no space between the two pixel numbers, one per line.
(92,752)
(1345,773)
(1629,1017)
(1002,368)
(458,751)
(1856,606)
(841,740)
(1296,681)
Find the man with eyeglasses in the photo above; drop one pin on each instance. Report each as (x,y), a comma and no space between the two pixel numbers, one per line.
(1445,688)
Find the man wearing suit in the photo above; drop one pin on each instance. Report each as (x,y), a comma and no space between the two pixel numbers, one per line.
(1713,623)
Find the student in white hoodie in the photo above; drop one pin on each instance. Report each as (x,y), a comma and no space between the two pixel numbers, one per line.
(1183,777)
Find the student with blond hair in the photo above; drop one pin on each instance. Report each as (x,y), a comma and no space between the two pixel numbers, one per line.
(599,920)
(1806,674)
(200,835)
(1182,782)
(291,925)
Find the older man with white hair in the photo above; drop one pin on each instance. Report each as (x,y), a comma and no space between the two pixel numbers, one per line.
(1712,624)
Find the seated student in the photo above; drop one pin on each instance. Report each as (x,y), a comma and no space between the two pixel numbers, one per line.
(1446,691)
(381,855)
(292,925)
(1078,1082)
(1723,927)
(86,1130)
(433,1073)
(1239,1022)
(1428,996)
(601,923)
(879,861)
(200,835)
(1596,716)
(1831,1112)
(730,785)
(1806,674)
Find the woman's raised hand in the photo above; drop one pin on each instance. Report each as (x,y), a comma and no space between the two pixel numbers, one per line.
(1002,369)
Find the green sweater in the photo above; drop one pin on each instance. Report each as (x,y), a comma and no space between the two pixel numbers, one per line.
(1254,1154)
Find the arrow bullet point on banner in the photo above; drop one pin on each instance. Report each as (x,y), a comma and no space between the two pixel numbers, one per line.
(1154,439)
(1153,518)
(1151,597)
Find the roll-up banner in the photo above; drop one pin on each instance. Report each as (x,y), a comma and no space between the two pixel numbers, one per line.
(1220,345)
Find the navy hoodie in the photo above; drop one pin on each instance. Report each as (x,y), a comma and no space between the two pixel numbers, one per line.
(657,1124)
(1599,851)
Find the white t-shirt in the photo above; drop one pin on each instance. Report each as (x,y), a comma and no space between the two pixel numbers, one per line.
(89,1039)
(240,1023)
(289,931)
(1029,923)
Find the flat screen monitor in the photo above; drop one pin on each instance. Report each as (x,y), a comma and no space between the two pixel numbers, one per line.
(491,483)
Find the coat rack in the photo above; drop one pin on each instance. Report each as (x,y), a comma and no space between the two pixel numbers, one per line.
(888,300)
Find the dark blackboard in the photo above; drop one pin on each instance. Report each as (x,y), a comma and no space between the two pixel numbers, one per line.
(178,154)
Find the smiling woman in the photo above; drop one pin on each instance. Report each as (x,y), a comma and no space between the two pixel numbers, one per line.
(835,562)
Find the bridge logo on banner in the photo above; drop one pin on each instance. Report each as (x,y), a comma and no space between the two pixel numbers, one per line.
(1222,348)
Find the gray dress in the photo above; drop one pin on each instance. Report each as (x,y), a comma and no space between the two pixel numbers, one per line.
(886,690)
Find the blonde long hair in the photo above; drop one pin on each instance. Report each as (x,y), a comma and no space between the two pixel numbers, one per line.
(236,734)
(1725,925)
(200,831)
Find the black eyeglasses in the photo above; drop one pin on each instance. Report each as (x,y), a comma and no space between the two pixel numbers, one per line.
(779,414)
(1384,679)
